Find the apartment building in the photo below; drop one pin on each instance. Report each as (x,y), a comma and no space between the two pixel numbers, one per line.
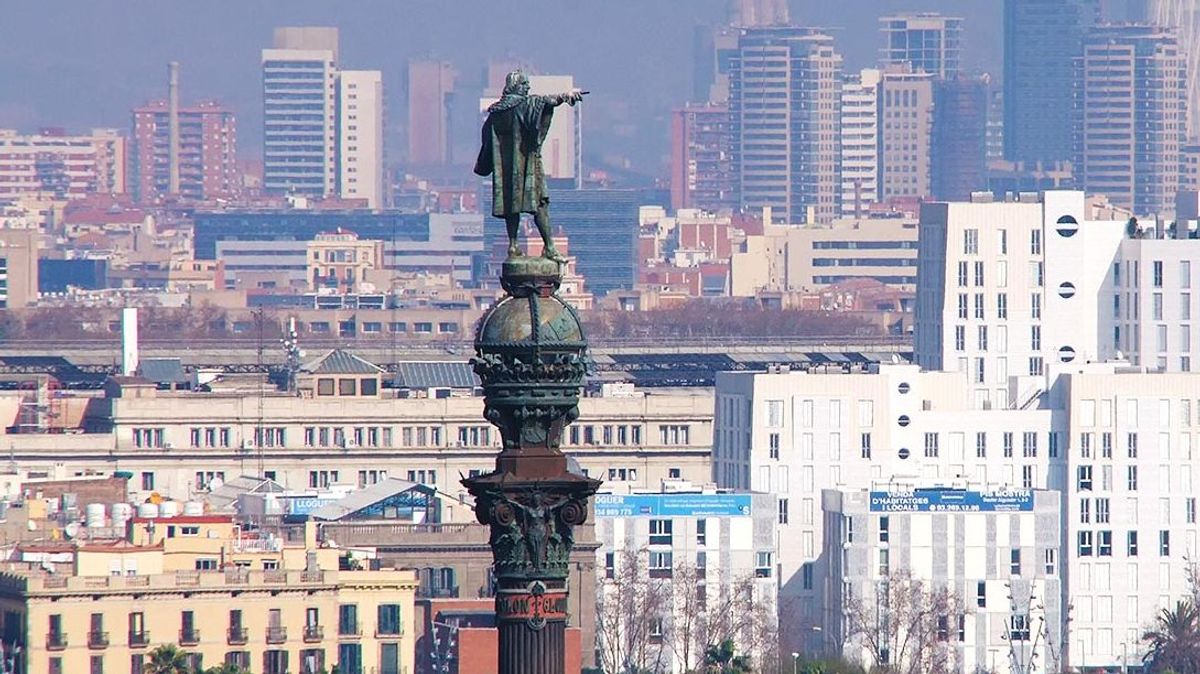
(928,42)
(104,606)
(58,165)
(207,152)
(860,142)
(905,133)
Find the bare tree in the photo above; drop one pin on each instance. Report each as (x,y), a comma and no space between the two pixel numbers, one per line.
(710,608)
(631,610)
(906,626)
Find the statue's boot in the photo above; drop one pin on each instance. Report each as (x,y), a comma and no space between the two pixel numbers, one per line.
(553,254)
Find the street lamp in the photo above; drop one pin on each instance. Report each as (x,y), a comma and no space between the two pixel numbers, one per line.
(795,662)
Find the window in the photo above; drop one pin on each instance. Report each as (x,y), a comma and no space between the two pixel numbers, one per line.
(610,561)
(1053,444)
(97,664)
(1085,445)
(1007,445)
(1002,305)
(983,340)
(1157,273)
(1132,479)
(147,481)
(806,575)
(762,565)
(884,529)
(1102,511)
(774,413)
(1131,543)
(1028,477)
(885,562)
(701,532)
(660,532)
(1019,627)
(348,619)
(1084,478)
(1131,444)
(660,564)
(931,445)
(325,387)
(979,306)
(962,274)
(1189,507)
(1085,544)
(979,274)
(773,445)
(980,445)
(1051,561)
(865,444)
(1085,511)
(960,338)
(970,242)
(1035,306)
(1014,562)
(389,619)
(981,594)
(963,309)
(1035,242)
(368,387)
(1164,543)
(1104,544)
(1106,442)
(1029,448)
(1035,337)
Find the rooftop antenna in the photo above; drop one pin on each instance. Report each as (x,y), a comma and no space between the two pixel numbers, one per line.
(291,354)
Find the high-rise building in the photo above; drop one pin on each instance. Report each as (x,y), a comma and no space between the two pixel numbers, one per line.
(562,148)
(207,152)
(18,267)
(309,107)
(1183,17)
(960,130)
(785,91)
(53,164)
(930,43)
(860,142)
(1042,39)
(360,136)
(905,104)
(603,227)
(430,92)
(1131,116)
(701,158)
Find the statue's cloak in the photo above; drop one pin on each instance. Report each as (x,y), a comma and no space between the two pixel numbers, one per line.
(511,153)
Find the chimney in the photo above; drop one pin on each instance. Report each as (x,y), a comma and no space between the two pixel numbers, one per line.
(173,127)
(129,341)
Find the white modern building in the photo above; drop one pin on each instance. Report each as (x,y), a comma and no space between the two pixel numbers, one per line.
(1053,353)
(860,144)
(707,552)
(998,552)
(322,126)
(360,136)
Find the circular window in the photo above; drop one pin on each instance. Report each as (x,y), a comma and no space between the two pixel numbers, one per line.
(1066,354)
(903,387)
(904,452)
(1066,290)
(904,420)
(1067,226)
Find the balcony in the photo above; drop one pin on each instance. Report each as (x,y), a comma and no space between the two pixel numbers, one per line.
(189,636)
(139,639)
(237,636)
(276,634)
(313,633)
(389,633)
(56,641)
(439,592)
(351,631)
(97,639)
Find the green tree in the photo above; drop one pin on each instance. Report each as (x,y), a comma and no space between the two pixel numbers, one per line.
(226,668)
(722,658)
(1173,641)
(167,659)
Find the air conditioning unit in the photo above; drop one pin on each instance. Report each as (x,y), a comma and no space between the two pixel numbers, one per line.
(247,444)
(168,445)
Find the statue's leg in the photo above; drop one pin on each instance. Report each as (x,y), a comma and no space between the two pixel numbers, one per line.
(542,220)
(512,222)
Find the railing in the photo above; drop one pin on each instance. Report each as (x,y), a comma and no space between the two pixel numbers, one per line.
(313,633)
(97,639)
(139,639)
(237,636)
(437,592)
(350,631)
(389,633)
(274,576)
(56,641)
(276,634)
(189,637)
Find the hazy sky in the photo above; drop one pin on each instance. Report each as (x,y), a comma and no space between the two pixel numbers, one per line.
(84,63)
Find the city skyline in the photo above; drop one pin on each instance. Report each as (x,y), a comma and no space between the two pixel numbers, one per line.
(119,68)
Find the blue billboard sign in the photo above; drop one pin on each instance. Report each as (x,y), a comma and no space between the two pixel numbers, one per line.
(305,505)
(673,505)
(951,501)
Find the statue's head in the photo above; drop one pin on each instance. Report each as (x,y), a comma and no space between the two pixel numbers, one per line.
(516,83)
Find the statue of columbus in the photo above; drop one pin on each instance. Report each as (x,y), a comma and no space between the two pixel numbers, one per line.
(511,153)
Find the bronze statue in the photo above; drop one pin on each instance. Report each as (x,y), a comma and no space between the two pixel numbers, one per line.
(511,153)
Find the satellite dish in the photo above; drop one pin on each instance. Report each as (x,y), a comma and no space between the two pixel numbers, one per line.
(71,530)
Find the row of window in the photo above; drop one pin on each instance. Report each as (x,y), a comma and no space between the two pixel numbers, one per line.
(274,661)
(1100,543)
(661,564)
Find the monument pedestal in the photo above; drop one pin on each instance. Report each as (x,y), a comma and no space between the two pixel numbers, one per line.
(531,356)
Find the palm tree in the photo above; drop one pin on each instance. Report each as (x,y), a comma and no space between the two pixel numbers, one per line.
(167,659)
(721,659)
(1173,642)
(226,668)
